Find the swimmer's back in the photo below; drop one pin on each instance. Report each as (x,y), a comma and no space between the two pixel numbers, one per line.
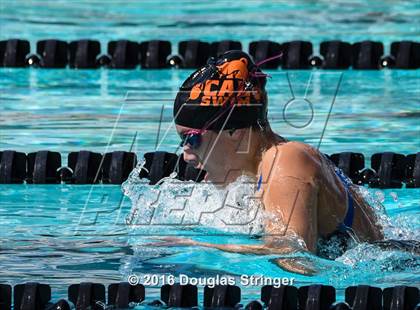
(302,163)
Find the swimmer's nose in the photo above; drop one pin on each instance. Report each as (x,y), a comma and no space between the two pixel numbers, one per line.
(190,157)
(188,150)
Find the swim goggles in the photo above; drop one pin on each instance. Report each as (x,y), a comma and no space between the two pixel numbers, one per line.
(192,138)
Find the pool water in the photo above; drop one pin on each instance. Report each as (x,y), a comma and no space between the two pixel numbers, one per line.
(64,234)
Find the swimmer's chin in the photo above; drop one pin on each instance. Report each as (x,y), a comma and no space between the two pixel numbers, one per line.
(195,163)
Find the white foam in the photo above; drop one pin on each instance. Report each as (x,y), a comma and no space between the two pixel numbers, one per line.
(175,203)
(400,227)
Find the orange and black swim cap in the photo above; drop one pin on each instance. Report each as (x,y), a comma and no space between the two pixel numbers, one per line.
(227,93)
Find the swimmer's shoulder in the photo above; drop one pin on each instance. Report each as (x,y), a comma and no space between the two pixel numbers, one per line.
(293,156)
(297,151)
(296,146)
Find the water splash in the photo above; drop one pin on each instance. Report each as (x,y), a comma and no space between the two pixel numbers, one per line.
(370,263)
(174,204)
(398,228)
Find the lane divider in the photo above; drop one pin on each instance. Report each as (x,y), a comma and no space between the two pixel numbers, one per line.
(87,295)
(388,169)
(157,54)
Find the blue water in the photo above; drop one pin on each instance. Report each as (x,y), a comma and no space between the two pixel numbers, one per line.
(62,234)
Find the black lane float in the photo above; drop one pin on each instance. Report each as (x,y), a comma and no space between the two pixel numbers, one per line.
(87,295)
(157,54)
(388,169)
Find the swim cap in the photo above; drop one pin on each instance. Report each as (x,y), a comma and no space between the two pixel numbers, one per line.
(227,93)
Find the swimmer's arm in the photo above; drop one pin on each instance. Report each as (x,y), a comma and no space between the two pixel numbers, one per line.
(293,205)
(291,194)
(300,265)
(279,246)
(258,249)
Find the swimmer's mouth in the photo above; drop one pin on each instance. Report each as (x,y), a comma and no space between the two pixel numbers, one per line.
(194,163)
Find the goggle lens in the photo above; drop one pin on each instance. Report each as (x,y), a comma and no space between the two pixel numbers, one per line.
(192,139)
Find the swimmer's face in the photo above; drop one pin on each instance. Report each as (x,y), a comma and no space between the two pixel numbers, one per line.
(212,149)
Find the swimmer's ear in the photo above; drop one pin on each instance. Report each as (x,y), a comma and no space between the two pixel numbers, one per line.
(299,265)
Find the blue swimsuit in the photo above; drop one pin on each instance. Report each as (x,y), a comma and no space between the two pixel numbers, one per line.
(348,219)
(259,183)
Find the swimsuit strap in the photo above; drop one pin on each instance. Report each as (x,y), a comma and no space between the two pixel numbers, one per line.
(259,182)
(348,219)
